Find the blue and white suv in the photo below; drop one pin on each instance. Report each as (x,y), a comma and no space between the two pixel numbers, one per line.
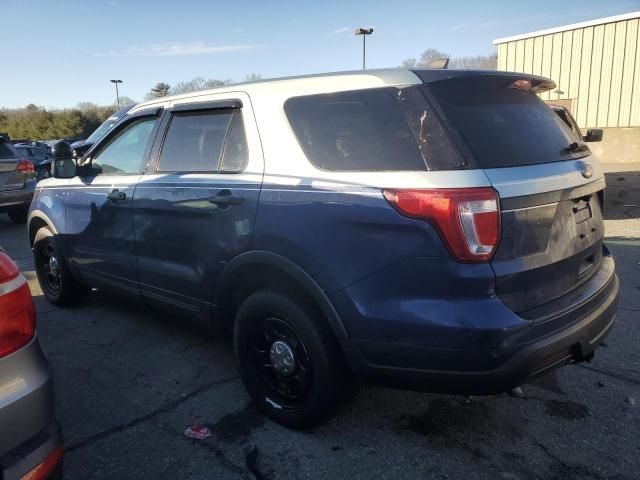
(430,229)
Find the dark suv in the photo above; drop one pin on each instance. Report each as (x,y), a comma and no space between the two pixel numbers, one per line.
(17,182)
(438,230)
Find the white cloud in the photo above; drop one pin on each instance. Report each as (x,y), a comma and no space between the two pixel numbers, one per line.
(341,30)
(175,49)
(460,26)
(490,23)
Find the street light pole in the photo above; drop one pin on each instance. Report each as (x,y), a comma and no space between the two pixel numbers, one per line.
(116,82)
(364,32)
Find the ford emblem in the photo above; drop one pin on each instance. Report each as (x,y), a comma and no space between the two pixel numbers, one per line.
(587,170)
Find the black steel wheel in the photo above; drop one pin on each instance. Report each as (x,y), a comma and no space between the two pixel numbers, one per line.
(281,360)
(56,281)
(49,265)
(288,358)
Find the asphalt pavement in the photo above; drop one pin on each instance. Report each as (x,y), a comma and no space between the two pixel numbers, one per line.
(130,380)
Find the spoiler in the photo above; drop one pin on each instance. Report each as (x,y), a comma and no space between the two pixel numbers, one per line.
(520,81)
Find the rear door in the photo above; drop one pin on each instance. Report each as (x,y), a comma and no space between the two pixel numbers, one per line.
(195,209)
(550,186)
(10,179)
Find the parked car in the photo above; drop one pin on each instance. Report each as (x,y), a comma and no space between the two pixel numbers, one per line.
(40,157)
(30,437)
(81,146)
(33,143)
(17,182)
(431,229)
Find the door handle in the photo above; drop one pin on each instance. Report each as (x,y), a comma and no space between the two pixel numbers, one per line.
(116,195)
(226,198)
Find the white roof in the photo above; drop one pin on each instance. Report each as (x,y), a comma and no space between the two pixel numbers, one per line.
(573,26)
(301,85)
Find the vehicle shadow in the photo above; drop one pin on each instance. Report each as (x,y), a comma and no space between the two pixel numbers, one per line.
(622,197)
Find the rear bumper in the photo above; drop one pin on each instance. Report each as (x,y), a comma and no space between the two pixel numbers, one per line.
(12,199)
(523,352)
(40,455)
(29,433)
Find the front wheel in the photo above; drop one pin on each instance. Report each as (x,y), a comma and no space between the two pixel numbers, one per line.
(56,281)
(288,359)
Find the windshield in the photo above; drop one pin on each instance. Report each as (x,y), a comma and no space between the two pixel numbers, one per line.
(102,130)
(502,126)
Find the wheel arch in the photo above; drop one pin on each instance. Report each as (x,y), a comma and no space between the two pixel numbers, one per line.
(255,269)
(38,219)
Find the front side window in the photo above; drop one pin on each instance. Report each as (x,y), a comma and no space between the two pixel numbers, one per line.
(125,151)
(102,130)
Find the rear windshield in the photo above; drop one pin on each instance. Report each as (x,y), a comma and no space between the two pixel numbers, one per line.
(6,151)
(361,130)
(502,126)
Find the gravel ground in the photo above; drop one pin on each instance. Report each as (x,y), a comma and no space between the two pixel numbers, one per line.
(129,380)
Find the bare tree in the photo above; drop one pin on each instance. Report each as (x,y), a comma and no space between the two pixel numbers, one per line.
(252,77)
(428,56)
(196,84)
(481,62)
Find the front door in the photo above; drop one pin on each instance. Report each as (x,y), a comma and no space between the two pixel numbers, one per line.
(99,216)
(196,210)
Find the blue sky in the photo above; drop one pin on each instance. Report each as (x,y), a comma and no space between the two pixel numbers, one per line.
(65,51)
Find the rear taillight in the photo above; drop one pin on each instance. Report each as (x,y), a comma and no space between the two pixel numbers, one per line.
(467,219)
(17,314)
(25,166)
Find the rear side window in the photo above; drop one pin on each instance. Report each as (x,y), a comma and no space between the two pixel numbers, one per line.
(361,130)
(236,155)
(196,142)
(503,126)
(6,151)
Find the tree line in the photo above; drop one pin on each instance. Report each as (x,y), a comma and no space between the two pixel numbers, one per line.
(162,89)
(38,123)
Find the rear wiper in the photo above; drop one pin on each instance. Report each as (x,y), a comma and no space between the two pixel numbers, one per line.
(575,147)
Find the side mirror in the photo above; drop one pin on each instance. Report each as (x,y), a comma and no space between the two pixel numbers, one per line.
(63,165)
(593,135)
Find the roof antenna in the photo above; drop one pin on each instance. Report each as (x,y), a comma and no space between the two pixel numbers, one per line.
(441,63)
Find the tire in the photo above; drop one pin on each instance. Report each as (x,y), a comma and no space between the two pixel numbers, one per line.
(55,278)
(19,216)
(307,390)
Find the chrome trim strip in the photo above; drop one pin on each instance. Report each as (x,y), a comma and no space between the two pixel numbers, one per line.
(529,208)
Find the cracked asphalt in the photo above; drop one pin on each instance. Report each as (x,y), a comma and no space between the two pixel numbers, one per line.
(130,380)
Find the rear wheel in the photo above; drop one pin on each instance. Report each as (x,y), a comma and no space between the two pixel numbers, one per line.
(55,279)
(19,216)
(288,359)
